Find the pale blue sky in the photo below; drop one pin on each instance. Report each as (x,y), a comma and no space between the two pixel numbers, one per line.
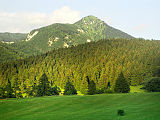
(139,18)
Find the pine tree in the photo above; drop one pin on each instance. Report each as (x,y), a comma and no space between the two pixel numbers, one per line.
(43,87)
(69,89)
(121,85)
(91,88)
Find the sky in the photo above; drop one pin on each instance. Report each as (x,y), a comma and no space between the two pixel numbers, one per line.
(139,18)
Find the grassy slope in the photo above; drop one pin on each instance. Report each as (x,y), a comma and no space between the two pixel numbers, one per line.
(140,106)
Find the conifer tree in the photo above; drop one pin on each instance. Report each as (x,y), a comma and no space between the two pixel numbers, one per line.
(91,88)
(69,89)
(43,87)
(121,85)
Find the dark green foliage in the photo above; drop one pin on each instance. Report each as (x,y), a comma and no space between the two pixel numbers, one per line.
(91,88)
(120,112)
(121,85)
(99,91)
(43,87)
(69,89)
(108,91)
(156,72)
(55,90)
(9,90)
(153,85)
(2,92)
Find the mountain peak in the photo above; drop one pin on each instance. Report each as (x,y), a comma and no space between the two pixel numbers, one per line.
(89,19)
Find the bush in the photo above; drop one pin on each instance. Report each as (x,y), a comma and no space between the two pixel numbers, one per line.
(99,91)
(153,85)
(120,112)
(55,90)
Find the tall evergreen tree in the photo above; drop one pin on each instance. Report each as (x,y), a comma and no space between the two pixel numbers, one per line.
(121,85)
(91,87)
(43,87)
(69,89)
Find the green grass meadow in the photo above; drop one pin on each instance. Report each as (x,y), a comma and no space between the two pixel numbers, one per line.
(137,106)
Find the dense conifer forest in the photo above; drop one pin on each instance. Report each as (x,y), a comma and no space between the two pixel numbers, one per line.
(96,64)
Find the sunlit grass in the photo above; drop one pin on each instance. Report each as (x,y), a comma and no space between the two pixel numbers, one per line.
(137,106)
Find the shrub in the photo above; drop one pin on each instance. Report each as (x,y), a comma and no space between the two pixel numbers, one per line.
(55,90)
(120,112)
(153,85)
(99,91)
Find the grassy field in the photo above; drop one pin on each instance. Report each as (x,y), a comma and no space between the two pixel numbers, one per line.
(137,106)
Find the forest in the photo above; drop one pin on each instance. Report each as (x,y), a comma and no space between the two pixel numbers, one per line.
(99,63)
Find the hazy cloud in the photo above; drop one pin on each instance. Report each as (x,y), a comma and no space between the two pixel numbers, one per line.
(25,21)
(65,15)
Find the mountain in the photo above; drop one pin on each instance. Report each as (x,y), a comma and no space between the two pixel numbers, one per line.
(57,35)
(12,37)
(99,62)
(97,29)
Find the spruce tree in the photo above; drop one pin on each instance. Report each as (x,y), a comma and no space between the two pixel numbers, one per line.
(121,85)
(69,89)
(91,88)
(43,87)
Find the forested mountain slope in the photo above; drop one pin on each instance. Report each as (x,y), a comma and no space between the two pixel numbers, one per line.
(57,35)
(12,37)
(100,61)
(9,53)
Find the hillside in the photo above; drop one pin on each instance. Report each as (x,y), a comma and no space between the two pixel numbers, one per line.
(9,53)
(97,29)
(140,106)
(12,37)
(100,62)
(58,35)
